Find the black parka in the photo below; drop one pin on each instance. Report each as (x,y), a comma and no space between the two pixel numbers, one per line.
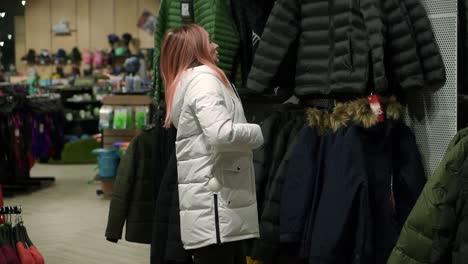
(350,47)
(336,38)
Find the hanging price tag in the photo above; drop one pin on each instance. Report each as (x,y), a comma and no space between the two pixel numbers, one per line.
(41,128)
(376,106)
(186,11)
(17,132)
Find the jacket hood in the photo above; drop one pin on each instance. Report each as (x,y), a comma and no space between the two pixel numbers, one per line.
(357,111)
(181,89)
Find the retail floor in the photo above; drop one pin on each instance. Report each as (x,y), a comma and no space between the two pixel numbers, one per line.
(67,220)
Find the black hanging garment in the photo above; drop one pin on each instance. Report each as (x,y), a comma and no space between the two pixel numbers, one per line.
(263,155)
(250,18)
(167,246)
(390,40)
(396,178)
(268,248)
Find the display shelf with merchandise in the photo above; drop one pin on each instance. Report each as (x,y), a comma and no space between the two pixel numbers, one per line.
(111,135)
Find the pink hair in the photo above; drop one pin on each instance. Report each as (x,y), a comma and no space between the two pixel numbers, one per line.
(180,50)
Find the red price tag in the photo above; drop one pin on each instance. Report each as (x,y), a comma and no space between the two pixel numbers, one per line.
(376,106)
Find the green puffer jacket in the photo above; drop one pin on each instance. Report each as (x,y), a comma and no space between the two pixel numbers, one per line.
(213,15)
(437,229)
(133,200)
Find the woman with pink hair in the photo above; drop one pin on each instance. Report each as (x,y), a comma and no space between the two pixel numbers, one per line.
(218,206)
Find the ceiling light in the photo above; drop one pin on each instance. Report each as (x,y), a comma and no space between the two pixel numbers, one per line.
(2,43)
(2,14)
(9,36)
(23,2)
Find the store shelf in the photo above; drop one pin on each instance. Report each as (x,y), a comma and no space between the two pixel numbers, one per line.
(119,132)
(142,92)
(96,102)
(82,126)
(83,120)
(70,88)
(131,100)
(110,136)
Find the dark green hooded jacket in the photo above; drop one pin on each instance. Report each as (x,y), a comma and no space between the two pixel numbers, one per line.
(133,191)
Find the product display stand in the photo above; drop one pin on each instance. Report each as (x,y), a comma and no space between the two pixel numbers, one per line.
(109,135)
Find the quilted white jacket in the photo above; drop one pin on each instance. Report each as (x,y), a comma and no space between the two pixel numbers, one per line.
(214,161)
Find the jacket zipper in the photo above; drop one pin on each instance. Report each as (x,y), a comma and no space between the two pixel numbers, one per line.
(218,236)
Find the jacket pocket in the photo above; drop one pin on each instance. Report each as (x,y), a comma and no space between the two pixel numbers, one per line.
(237,180)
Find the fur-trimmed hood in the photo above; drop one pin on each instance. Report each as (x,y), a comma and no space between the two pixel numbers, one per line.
(358,111)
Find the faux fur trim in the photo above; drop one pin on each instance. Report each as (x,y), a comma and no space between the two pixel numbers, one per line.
(357,111)
(395,110)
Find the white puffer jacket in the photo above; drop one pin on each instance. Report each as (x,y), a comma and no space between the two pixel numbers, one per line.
(214,161)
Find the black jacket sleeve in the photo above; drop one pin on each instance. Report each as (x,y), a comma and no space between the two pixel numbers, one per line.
(121,192)
(432,63)
(405,64)
(281,30)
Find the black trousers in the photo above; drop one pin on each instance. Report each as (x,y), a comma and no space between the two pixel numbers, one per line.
(229,253)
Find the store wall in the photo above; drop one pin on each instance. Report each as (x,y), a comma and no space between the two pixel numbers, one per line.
(20,41)
(90,22)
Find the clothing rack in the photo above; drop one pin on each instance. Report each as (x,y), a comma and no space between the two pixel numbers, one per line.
(30,126)
(17,209)
(9,210)
(48,90)
(17,246)
(6,84)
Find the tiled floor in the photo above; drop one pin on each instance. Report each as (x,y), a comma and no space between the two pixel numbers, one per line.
(67,220)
